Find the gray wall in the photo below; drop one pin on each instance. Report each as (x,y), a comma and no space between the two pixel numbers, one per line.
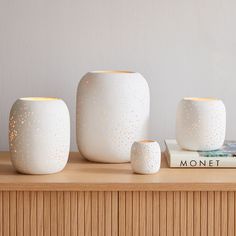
(183,48)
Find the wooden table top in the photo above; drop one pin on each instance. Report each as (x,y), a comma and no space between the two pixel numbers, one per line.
(82,175)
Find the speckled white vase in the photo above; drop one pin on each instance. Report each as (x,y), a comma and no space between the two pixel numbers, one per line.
(145,157)
(112,112)
(39,135)
(200,124)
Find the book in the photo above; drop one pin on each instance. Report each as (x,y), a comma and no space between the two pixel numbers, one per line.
(221,158)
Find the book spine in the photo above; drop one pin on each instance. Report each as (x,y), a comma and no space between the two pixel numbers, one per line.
(202,162)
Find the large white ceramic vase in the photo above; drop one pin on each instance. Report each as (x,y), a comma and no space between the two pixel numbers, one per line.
(112,113)
(39,135)
(200,124)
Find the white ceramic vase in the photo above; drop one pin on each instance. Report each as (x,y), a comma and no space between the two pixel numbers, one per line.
(39,135)
(145,157)
(112,112)
(200,124)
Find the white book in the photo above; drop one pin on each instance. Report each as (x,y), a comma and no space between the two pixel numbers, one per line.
(222,158)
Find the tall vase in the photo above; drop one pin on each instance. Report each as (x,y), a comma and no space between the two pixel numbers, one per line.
(112,113)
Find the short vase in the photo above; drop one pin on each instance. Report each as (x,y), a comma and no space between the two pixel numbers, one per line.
(39,135)
(145,157)
(200,124)
(112,112)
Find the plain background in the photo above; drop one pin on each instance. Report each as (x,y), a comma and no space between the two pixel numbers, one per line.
(183,48)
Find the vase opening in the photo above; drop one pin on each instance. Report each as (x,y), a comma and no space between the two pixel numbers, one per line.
(31,99)
(147,141)
(112,72)
(200,99)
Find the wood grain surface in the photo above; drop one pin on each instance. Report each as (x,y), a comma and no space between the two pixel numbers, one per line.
(99,199)
(117,213)
(82,175)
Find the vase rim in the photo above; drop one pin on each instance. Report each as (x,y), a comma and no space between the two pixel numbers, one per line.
(112,72)
(200,99)
(39,99)
(146,141)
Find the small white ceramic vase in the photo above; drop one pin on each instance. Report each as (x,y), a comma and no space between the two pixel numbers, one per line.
(200,124)
(145,157)
(39,135)
(112,112)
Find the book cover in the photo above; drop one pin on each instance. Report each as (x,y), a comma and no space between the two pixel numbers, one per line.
(222,158)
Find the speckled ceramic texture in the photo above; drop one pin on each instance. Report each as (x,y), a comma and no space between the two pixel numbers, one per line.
(39,136)
(112,112)
(145,157)
(200,124)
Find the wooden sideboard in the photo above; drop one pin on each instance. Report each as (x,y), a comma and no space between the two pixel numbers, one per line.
(108,199)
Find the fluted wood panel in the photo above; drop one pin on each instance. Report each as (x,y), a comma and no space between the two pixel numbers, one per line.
(117,213)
